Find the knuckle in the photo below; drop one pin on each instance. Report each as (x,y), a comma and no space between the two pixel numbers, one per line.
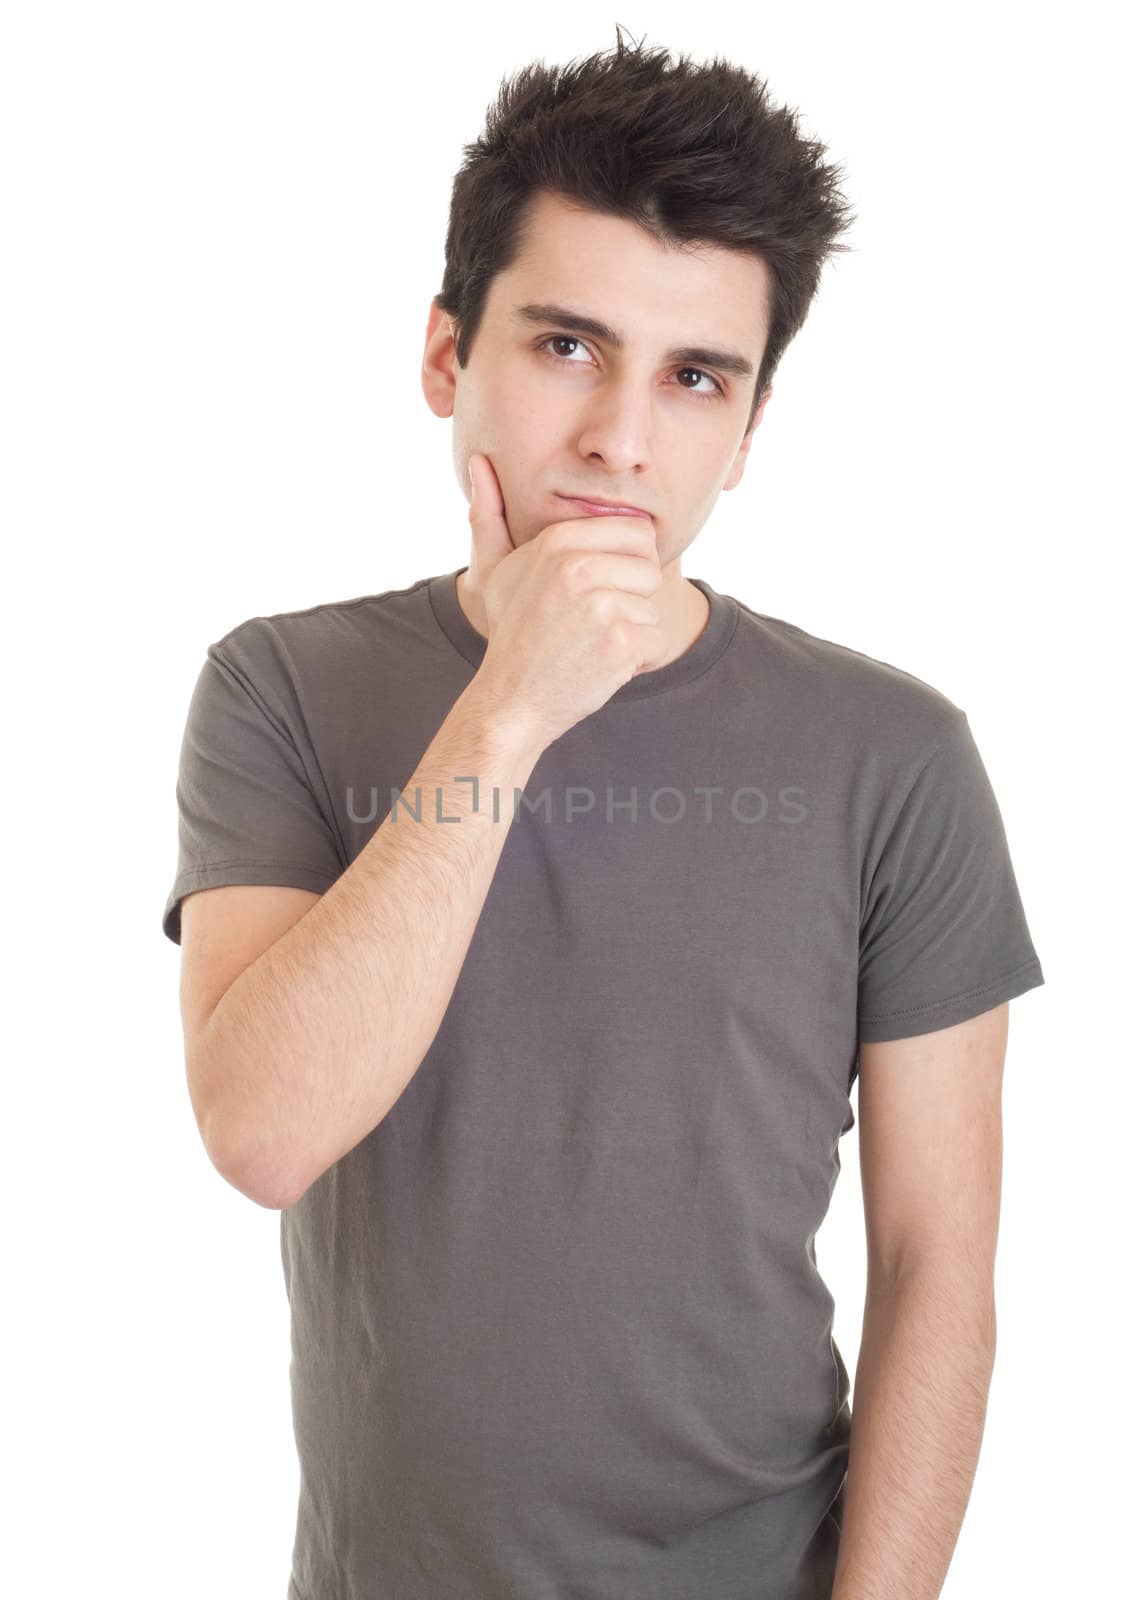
(617,635)
(575,571)
(554,537)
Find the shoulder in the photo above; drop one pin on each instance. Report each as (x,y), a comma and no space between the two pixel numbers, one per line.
(320,640)
(847,694)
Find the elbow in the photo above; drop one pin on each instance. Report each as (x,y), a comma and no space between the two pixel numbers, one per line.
(248,1162)
(266,1192)
(249,1167)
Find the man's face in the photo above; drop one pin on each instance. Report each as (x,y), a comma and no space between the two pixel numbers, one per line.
(560,411)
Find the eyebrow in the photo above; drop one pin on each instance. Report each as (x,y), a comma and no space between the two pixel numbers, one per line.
(727,361)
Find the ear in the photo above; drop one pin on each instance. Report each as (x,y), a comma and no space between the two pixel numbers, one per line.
(737,466)
(439,362)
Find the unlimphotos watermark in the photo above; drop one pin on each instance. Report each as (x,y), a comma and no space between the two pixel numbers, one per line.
(747,804)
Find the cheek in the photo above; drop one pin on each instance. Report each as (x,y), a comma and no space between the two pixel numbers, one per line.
(521,414)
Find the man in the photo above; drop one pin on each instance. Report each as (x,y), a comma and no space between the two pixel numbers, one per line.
(538,919)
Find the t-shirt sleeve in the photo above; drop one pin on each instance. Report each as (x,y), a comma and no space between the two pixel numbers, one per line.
(248,810)
(944,933)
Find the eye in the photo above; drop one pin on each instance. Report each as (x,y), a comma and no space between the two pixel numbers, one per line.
(568,338)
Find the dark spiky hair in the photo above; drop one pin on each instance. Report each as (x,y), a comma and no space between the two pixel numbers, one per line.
(691,153)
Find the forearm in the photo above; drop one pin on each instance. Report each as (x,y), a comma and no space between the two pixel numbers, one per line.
(918,1414)
(315,1041)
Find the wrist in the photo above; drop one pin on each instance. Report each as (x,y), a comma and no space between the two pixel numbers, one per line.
(507,731)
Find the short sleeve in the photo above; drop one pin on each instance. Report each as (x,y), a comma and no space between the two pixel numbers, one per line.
(248,810)
(944,933)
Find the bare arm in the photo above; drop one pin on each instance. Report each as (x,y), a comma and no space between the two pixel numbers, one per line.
(931,1152)
(311,1045)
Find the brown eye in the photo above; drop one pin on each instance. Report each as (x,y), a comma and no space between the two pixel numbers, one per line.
(569,338)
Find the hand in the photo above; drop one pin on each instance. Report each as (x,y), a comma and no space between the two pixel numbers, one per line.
(572,613)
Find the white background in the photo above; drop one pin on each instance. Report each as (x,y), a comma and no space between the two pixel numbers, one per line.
(224,224)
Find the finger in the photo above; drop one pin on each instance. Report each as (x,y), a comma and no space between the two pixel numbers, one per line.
(491,540)
(634,574)
(634,535)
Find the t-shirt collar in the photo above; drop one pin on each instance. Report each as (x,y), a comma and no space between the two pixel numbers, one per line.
(700,655)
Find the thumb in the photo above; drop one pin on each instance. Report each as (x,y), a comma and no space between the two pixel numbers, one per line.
(491,540)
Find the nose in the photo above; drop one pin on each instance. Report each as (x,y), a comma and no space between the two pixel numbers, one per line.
(616,427)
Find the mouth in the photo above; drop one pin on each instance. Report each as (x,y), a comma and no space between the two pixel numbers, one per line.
(603,508)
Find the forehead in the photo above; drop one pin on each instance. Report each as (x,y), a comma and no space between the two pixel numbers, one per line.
(574,255)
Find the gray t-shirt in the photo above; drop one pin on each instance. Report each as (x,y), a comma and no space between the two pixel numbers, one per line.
(558,1331)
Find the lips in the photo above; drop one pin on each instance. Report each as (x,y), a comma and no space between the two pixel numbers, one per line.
(604,508)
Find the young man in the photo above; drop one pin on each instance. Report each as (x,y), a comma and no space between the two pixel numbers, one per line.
(538,920)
